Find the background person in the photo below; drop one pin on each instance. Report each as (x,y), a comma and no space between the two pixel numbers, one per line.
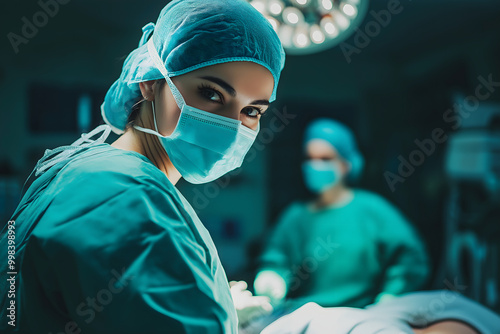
(348,247)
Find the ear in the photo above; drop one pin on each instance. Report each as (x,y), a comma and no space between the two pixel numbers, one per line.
(147,89)
(346,167)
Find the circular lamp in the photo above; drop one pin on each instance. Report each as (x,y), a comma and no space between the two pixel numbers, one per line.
(309,26)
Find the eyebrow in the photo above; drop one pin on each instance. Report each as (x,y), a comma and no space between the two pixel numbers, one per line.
(228,88)
(261,102)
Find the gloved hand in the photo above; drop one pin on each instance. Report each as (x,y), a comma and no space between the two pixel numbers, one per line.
(247,306)
(271,284)
(381,297)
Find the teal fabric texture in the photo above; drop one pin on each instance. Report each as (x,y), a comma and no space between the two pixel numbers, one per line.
(346,256)
(106,244)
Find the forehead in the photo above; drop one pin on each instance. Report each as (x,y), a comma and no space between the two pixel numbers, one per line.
(319,148)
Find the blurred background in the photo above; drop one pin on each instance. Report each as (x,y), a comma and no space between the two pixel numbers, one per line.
(419,86)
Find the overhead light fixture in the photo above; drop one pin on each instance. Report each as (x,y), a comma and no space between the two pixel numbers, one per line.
(292,16)
(327,4)
(328,26)
(309,26)
(302,2)
(276,7)
(349,10)
(301,38)
(273,22)
(317,36)
(260,5)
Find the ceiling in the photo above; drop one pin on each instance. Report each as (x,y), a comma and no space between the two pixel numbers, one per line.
(421,24)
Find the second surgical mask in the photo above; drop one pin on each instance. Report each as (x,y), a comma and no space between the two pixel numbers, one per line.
(321,175)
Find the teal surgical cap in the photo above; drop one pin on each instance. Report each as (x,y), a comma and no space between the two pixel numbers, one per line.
(191,34)
(341,138)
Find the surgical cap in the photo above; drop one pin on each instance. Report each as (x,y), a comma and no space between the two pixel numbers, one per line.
(191,34)
(341,138)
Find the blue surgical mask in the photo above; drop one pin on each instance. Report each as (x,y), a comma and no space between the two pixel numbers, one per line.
(203,146)
(321,175)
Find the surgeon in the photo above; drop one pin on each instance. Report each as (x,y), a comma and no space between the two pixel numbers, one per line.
(347,247)
(103,242)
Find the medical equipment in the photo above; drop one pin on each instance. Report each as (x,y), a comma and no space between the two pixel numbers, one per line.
(308,26)
(472,217)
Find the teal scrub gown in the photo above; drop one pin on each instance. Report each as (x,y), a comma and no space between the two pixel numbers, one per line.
(346,256)
(106,244)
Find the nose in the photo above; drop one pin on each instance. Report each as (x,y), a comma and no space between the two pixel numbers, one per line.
(228,111)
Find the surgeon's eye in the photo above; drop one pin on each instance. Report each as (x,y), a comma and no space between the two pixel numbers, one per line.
(325,159)
(211,94)
(252,111)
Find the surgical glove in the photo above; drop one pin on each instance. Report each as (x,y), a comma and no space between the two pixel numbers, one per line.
(271,284)
(384,297)
(248,307)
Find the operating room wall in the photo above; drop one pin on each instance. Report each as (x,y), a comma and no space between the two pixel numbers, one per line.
(391,93)
(75,51)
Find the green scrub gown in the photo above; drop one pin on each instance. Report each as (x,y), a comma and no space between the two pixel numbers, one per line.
(346,256)
(106,244)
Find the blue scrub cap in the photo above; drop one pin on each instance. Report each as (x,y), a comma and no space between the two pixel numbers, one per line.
(191,34)
(341,138)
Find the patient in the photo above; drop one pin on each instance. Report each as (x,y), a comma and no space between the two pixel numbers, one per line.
(447,327)
(427,312)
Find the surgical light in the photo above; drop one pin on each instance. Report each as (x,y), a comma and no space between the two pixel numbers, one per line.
(317,35)
(342,21)
(301,39)
(275,7)
(286,32)
(308,26)
(329,27)
(292,15)
(273,22)
(259,5)
(327,4)
(349,10)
